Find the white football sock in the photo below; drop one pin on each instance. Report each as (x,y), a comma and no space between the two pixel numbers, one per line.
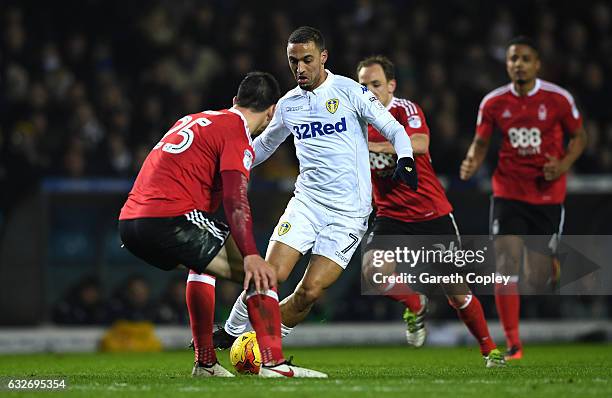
(238,320)
(285,330)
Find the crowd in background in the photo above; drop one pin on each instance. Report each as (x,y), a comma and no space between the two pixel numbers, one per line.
(86,304)
(89,89)
(89,302)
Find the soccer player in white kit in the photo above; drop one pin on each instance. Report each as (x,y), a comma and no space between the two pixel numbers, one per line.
(328,116)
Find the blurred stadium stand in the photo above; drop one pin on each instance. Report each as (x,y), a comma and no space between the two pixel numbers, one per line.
(85,98)
(86,339)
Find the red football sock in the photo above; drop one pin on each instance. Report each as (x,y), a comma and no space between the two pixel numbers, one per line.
(508,303)
(264,314)
(404,294)
(472,315)
(393,289)
(201,306)
(411,301)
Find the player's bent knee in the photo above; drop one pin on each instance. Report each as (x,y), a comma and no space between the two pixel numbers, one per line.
(508,254)
(307,295)
(536,276)
(507,263)
(456,300)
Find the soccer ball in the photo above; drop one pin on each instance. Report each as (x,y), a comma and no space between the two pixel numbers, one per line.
(245,355)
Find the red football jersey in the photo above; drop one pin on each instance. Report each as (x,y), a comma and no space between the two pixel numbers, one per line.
(395,199)
(183,171)
(532,126)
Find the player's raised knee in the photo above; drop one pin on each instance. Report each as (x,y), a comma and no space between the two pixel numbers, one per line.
(508,263)
(537,277)
(308,294)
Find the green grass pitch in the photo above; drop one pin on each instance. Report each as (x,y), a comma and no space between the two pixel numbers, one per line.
(572,370)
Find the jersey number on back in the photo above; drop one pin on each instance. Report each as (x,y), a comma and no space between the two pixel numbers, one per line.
(183,128)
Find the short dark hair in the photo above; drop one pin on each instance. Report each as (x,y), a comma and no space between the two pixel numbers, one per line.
(305,34)
(524,40)
(258,91)
(384,62)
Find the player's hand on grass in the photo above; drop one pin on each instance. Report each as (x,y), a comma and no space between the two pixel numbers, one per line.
(468,168)
(258,271)
(553,168)
(407,172)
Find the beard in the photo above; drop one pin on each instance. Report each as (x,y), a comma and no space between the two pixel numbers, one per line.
(306,86)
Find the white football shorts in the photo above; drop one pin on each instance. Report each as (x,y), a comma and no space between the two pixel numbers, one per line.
(307,225)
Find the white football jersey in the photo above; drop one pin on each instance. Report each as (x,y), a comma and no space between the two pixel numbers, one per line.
(329,127)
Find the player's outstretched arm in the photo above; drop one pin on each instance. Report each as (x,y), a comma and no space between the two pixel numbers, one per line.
(405,170)
(271,138)
(238,215)
(474,157)
(392,130)
(238,211)
(420,145)
(371,110)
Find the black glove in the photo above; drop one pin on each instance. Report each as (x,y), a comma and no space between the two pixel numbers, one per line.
(407,172)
